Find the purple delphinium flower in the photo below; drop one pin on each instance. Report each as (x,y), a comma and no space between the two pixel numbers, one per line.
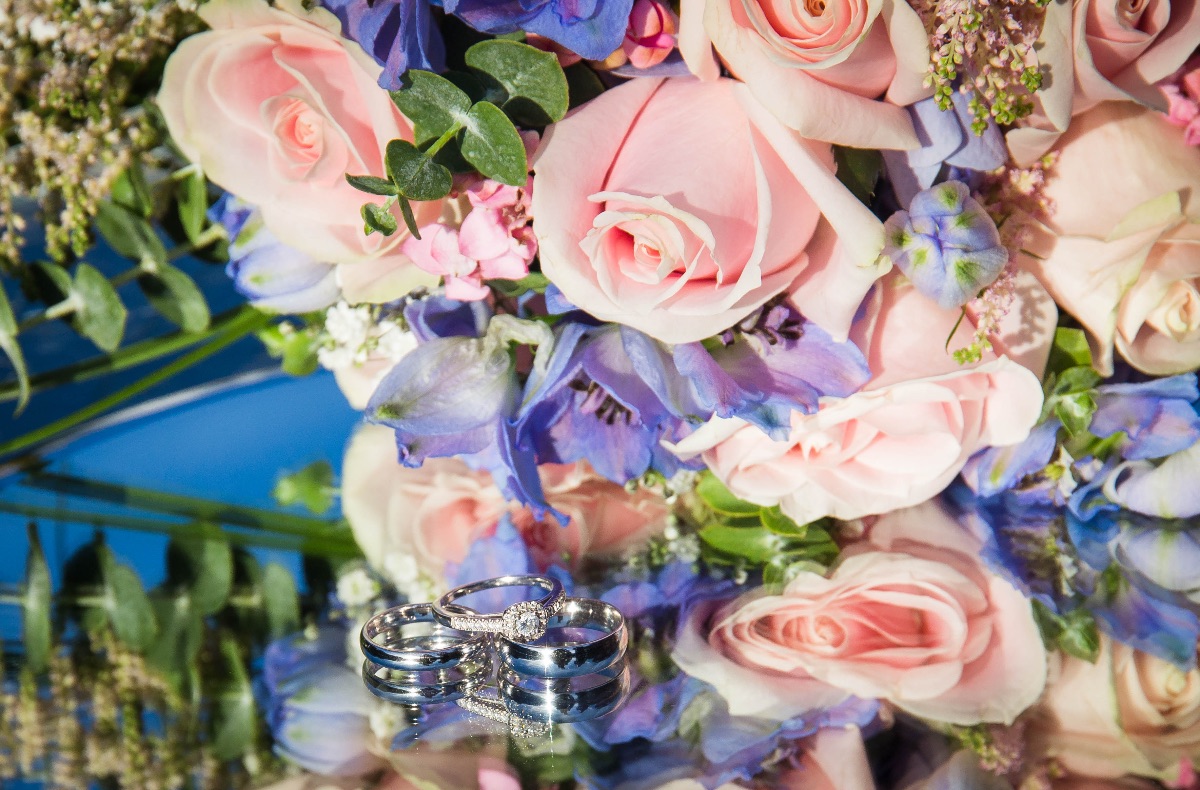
(946,243)
(593,29)
(399,34)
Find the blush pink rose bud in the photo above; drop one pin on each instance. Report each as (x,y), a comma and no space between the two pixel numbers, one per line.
(1183,96)
(661,205)
(909,433)
(651,34)
(1128,713)
(1119,253)
(910,616)
(286,139)
(819,65)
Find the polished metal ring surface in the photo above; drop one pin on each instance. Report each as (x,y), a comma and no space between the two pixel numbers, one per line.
(565,699)
(571,658)
(424,688)
(383,642)
(524,621)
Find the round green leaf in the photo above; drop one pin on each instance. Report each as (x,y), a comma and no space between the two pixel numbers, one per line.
(234,718)
(100,316)
(281,601)
(36,602)
(202,565)
(535,83)
(492,144)
(173,294)
(181,631)
(416,174)
(433,103)
(125,602)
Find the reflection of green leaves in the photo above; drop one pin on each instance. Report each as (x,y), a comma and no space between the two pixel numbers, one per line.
(280,601)
(1075,632)
(35,605)
(12,350)
(311,487)
(201,565)
(755,544)
(125,602)
(191,196)
(532,79)
(99,314)
(491,143)
(234,719)
(173,294)
(181,632)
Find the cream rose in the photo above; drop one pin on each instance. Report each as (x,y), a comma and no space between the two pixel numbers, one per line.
(1128,713)
(1120,251)
(819,65)
(910,616)
(284,139)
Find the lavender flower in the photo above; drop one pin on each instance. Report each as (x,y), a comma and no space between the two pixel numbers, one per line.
(946,244)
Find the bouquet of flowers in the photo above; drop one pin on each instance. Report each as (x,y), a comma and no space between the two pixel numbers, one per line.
(848,349)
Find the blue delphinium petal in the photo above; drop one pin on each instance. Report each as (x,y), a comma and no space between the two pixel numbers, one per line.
(1167,555)
(398,34)
(998,469)
(1158,416)
(282,279)
(437,316)
(1150,625)
(593,29)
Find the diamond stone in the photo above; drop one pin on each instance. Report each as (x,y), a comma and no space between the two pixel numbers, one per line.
(528,625)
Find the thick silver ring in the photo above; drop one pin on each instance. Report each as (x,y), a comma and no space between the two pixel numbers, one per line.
(524,621)
(424,688)
(569,659)
(382,642)
(581,702)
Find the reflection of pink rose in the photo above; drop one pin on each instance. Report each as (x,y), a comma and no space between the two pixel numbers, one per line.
(1105,50)
(907,435)
(818,65)
(433,513)
(1119,253)
(1128,713)
(910,616)
(285,139)
(633,231)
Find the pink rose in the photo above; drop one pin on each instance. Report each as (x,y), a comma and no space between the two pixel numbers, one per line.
(651,34)
(1182,90)
(910,616)
(1119,251)
(632,229)
(1128,713)
(819,65)
(907,435)
(285,139)
(411,522)
(1105,50)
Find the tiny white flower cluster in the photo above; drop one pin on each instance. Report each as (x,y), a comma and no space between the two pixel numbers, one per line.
(402,571)
(357,587)
(681,546)
(353,335)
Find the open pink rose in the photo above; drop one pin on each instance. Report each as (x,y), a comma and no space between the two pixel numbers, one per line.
(1119,253)
(678,207)
(906,436)
(819,65)
(285,139)
(1105,50)
(1128,713)
(910,616)
(414,521)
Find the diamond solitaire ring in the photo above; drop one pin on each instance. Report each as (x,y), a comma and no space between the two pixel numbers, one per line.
(522,622)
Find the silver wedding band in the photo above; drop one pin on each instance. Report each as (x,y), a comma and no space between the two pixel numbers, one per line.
(572,658)
(382,641)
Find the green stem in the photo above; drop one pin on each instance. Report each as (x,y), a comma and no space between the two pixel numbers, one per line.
(131,356)
(187,506)
(59,310)
(446,137)
(210,235)
(244,325)
(320,546)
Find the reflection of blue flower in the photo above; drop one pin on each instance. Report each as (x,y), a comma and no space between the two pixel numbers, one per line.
(272,275)
(318,711)
(591,28)
(399,34)
(946,244)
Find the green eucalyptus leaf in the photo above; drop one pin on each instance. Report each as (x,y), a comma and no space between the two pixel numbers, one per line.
(1076,379)
(12,350)
(130,234)
(534,81)
(131,192)
(36,604)
(582,84)
(433,103)
(295,349)
(714,494)
(1075,411)
(234,717)
(377,218)
(311,487)
(100,316)
(492,144)
(373,185)
(59,277)
(755,544)
(191,195)
(202,565)
(858,169)
(416,175)
(1080,636)
(125,603)
(775,521)
(181,633)
(176,296)
(280,600)
(1070,350)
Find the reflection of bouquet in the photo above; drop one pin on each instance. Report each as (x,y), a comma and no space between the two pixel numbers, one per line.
(783,327)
